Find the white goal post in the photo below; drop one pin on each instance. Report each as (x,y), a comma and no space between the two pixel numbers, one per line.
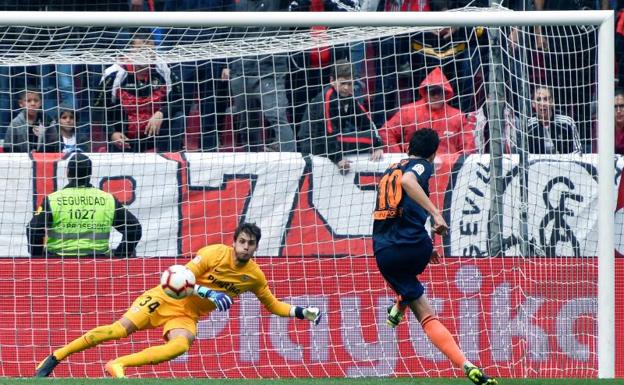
(603,20)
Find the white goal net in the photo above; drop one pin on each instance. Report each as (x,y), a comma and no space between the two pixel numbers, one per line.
(198,129)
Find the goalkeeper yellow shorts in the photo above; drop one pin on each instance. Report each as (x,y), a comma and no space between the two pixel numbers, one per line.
(154,308)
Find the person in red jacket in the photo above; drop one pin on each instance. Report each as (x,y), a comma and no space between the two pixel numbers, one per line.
(431,111)
(143,101)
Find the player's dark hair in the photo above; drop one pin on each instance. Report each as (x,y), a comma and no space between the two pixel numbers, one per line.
(343,70)
(79,168)
(619,91)
(424,143)
(249,229)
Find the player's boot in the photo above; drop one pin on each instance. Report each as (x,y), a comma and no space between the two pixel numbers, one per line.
(395,315)
(114,369)
(45,368)
(477,376)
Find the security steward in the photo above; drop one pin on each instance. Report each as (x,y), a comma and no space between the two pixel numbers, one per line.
(78,219)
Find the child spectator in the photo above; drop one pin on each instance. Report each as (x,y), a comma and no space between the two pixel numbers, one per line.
(31,130)
(69,140)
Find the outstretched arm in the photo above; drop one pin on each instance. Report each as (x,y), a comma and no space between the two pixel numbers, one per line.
(283,309)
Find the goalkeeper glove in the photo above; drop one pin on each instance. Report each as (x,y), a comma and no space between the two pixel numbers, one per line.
(312,314)
(221,300)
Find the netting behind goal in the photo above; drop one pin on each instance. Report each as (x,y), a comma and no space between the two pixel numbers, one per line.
(196,130)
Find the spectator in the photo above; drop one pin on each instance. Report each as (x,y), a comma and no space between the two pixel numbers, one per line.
(336,124)
(69,139)
(431,110)
(570,54)
(549,132)
(457,51)
(313,67)
(5,100)
(77,220)
(393,63)
(201,79)
(31,130)
(258,87)
(143,102)
(405,59)
(198,77)
(619,121)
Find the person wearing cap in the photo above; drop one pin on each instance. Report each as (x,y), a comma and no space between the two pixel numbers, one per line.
(77,219)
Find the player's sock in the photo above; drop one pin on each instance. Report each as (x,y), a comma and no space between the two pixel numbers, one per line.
(156,354)
(91,338)
(395,314)
(443,340)
(45,368)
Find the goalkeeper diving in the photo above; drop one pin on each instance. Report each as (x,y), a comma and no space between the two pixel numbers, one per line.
(222,273)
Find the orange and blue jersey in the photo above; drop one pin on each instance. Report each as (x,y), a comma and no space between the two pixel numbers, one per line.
(398,219)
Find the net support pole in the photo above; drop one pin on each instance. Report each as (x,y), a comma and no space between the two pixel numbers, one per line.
(527,246)
(606,202)
(496,97)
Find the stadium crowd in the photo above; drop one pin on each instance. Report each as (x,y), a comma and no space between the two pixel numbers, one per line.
(294,101)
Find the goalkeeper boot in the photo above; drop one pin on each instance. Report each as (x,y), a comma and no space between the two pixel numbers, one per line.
(114,369)
(395,315)
(45,368)
(477,376)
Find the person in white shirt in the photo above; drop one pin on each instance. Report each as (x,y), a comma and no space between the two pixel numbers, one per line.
(69,140)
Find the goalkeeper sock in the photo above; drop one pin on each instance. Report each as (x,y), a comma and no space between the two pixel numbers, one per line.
(91,338)
(443,340)
(156,354)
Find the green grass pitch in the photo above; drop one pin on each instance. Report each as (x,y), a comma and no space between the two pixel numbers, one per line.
(321,381)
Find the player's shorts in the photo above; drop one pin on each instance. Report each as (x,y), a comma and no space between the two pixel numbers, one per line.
(154,308)
(400,266)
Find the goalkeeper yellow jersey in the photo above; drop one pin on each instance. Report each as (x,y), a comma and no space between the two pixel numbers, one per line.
(214,267)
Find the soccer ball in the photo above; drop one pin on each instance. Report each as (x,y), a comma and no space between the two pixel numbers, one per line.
(178,281)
